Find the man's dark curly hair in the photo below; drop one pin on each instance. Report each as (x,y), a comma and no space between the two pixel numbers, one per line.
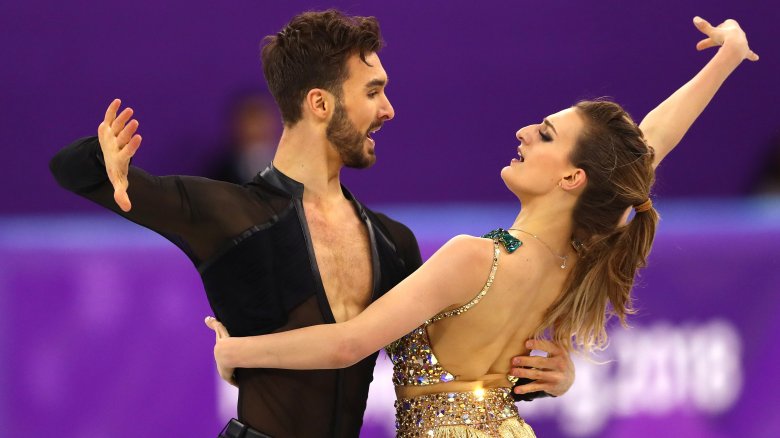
(312,52)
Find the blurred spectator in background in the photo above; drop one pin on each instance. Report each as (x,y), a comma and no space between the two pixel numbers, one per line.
(768,181)
(253,133)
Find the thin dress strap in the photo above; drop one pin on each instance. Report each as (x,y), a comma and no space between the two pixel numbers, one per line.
(482,293)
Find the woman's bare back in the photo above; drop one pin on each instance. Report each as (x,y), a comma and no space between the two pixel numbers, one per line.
(476,346)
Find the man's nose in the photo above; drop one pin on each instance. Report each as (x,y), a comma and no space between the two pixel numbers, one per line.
(386,112)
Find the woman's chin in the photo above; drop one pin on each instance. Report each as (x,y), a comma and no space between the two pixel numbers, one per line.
(511,185)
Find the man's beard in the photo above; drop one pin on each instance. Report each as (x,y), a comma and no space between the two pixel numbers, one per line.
(348,141)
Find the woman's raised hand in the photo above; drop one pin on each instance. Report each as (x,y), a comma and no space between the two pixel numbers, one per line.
(727,34)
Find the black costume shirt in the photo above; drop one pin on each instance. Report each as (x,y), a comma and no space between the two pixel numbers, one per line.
(252,247)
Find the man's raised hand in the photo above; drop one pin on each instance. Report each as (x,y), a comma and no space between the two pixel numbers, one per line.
(119,143)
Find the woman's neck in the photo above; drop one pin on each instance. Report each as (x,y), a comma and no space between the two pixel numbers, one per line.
(551,222)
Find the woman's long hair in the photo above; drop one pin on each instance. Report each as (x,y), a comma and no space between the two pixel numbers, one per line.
(619,169)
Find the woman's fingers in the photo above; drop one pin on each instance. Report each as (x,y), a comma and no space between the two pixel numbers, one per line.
(227,374)
(706,43)
(716,36)
(212,324)
(217,326)
(703,25)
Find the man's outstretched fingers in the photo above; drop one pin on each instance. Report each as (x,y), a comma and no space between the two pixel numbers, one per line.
(111,112)
(121,119)
(132,146)
(127,132)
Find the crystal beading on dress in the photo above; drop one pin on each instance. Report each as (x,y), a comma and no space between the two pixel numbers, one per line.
(476,414)
(481,413)
(413,360)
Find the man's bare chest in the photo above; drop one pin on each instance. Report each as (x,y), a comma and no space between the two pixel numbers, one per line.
(343,254)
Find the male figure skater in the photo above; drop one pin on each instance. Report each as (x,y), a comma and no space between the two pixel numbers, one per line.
(293,247)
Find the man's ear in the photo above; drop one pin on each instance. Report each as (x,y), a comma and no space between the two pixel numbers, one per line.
(574,180)
(319,103)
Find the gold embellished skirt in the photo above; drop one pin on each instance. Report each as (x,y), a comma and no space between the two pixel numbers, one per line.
(477,414)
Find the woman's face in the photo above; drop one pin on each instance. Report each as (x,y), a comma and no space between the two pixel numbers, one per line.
(543,154)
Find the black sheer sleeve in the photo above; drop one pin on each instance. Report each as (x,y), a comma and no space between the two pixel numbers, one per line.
(196,214)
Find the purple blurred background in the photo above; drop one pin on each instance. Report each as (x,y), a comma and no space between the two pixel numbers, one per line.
(101,320)
(463,80)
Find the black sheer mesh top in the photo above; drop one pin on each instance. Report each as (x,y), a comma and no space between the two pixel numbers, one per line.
(253,250)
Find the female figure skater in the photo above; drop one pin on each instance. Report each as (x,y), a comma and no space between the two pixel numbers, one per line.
(567,261)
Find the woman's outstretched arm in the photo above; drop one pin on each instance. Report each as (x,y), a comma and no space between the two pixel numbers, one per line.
(452,276)
(666,125)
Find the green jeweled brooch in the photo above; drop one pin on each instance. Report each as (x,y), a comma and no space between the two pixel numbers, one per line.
(510,242)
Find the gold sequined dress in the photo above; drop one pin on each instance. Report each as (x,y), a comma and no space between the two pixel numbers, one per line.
(483,413)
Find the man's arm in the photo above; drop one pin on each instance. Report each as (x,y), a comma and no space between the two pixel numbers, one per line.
(80,169)
(666,125)
(98,168)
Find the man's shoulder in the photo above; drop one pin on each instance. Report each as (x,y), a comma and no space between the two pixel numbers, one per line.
(392,226)
(230,200)
(402,237)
